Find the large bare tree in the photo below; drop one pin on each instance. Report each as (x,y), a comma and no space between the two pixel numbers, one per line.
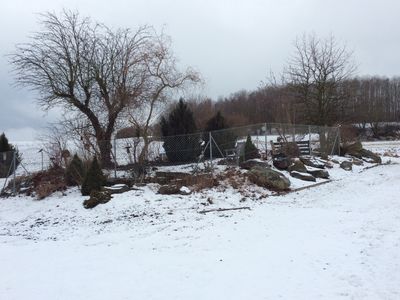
(92,71)
(317,73)
(163,80)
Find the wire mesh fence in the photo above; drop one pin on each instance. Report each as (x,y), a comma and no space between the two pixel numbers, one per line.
(196,152)
(9,162)
(226,144)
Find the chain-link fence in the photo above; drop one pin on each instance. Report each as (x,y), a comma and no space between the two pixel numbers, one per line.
(193,152)
(229,144)
(9,162)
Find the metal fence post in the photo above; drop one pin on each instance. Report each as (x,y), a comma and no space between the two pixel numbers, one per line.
(265,141)
(211,157)
(339,139)
(115,158)
(14,167)
(309,138)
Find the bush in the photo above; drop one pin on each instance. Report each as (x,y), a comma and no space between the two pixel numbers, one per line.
(6,156)
(180,144)
(250,150)
(40,184)
(48,181)
(225,139)
(75,172)
(94,179)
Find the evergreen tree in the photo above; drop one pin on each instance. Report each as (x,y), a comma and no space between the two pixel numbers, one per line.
(250,150)
(180,142)
(4,145)
(225,139)
(6,156)
(94,179)
(75,172)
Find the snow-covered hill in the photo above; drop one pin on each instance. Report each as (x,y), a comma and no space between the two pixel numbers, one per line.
(340,240)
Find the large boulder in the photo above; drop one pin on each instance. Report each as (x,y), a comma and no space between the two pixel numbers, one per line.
(352,149)
(281,161)
(312,162)
(297,166)
(356,150)
(117,188)
(96,198)
(302,176)
(269,178)
(372,156)
(169,189)
(318,173)
(346,165)
(251,163)
(173,189)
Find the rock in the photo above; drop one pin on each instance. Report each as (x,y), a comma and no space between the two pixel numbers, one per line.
(312,162)
(185,191)
(174,189)
(269,178)
(352,149)
(369,154)
(356,150)
(297,166)
(357,162)
(346,165)
(251,163)
(317,173)
(302,176)
(160,180)
(117,188)
(169,189)
(96,198)
(172,175)
(113,181)
(281,161)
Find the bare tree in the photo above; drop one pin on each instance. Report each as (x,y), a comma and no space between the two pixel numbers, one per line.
(162,79)
(89,69)
(316,74)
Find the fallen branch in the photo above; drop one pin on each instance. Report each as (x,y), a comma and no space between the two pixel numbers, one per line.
(310,186)
(222,209)
(300,189)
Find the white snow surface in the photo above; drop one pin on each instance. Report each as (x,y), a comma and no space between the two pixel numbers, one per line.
(339,240)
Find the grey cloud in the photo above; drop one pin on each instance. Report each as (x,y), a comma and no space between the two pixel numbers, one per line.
(234,44)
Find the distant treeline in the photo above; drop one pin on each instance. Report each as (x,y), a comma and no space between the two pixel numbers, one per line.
(369,100)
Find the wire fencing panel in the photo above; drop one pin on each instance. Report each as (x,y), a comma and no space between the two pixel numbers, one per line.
(209,146)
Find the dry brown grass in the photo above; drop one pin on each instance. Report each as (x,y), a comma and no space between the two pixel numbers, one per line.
(201,182)
(48,188)
(391,154)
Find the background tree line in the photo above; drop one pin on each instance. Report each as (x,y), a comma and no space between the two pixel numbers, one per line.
(370,100)
(106,79)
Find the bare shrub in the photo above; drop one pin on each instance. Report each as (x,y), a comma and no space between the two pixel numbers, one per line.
(201,182)
(349,133)
(49,181)
(46,189)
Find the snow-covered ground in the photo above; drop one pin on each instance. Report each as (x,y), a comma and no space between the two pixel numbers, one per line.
(340,240)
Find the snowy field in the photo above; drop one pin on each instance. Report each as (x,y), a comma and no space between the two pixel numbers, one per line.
(340,240)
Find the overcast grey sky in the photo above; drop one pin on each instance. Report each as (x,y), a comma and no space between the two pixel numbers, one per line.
(234,44)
